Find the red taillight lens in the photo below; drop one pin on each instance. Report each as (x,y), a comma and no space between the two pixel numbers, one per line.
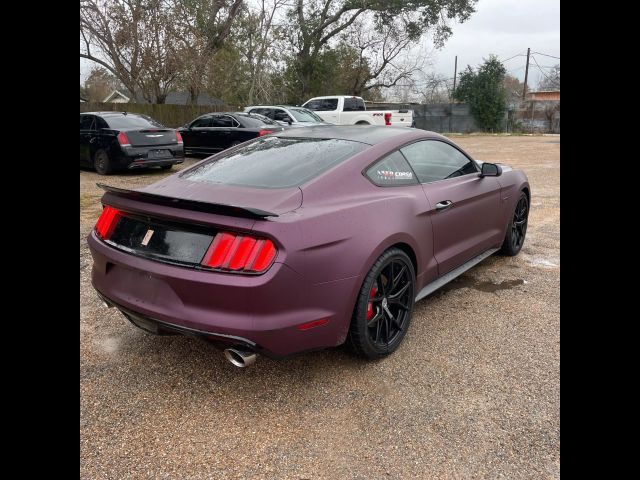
(178,137)
(239,253)
(107,222)
(387,119)
(123,139)
(264,132)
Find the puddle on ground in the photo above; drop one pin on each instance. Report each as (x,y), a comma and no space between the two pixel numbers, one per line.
(542,262)
(488,287)
(110,345)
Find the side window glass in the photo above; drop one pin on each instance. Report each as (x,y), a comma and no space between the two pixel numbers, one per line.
(100,123)
(87,122)
(201,122)
(222,121)
(329,104)
(433,160)
(392,170)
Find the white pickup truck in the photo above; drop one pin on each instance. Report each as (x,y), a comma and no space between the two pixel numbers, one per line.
(348,110)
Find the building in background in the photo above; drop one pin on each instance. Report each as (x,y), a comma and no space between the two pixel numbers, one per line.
(173,98)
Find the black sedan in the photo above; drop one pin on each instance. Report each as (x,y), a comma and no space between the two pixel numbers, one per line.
(215,132)
(119,140)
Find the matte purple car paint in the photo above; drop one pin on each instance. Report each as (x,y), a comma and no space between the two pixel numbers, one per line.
(329,232)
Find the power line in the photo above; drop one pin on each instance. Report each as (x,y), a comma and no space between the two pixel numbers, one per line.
(546,55)
(511,58)
(541,71)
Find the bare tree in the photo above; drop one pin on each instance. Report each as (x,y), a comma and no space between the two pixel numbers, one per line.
(201,29)
(551,79)
(146,44)
(257,45)
(513,89)
(383,60)
(436,88)
(161,61)
(110,36)
(99,84)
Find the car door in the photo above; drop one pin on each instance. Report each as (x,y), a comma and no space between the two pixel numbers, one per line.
(194,136)
(329,109)
(464,205)
(326,108)
(87,132)
(223,132)
(392,171)
(281,117)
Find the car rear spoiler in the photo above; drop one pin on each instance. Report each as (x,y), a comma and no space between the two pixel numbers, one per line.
(187,204)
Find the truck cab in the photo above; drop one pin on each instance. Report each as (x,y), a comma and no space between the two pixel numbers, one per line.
(351,110)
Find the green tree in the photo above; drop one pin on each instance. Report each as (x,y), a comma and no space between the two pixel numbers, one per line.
(313,24)
(484,91)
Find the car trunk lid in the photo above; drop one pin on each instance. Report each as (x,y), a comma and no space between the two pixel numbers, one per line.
(178,226)
(151,136)
(276,201)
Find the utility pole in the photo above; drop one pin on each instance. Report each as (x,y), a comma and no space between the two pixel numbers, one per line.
(455,73)
(526,75)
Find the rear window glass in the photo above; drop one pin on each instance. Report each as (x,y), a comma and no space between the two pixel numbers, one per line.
(322,105)
(132,121)
(353,104)
(275,162)
(254,120)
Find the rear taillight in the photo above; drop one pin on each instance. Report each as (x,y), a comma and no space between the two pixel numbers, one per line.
(178,137)
(239,253)
(264,132)
(123,140)
(107,222)
(387,119)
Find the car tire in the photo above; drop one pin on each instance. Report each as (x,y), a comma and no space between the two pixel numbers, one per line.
(517,228)
(382,313)
(102,163)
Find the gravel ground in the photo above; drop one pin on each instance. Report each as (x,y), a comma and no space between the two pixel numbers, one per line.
(473,392)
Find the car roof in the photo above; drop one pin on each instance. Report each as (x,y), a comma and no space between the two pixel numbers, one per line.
(278,106)
(112,113)
(369,134)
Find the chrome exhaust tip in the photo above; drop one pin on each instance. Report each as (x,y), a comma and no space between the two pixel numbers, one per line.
(239,357)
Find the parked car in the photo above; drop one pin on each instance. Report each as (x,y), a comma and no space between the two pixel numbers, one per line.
(287,115)
(112,141)
(349,110)
(303,239)
(214,132)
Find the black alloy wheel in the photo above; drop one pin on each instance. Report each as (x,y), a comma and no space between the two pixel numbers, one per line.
(383,312)
(517,228)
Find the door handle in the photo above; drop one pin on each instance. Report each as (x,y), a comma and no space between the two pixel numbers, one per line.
(444,205)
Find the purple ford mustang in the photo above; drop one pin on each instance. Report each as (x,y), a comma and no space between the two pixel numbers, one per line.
(304,239)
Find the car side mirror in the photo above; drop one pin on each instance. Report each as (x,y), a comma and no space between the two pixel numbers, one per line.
(289,121)
(490,170)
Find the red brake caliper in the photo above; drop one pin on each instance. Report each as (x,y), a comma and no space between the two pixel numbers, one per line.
(372,294)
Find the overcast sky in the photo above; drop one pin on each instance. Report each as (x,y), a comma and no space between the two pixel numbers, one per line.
(502,27)
(505,28)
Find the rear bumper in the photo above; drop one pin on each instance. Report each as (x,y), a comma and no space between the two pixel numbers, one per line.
(140,157)
(261,312)
(154,163)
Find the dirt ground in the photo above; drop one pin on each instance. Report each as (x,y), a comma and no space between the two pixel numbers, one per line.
(473,392)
